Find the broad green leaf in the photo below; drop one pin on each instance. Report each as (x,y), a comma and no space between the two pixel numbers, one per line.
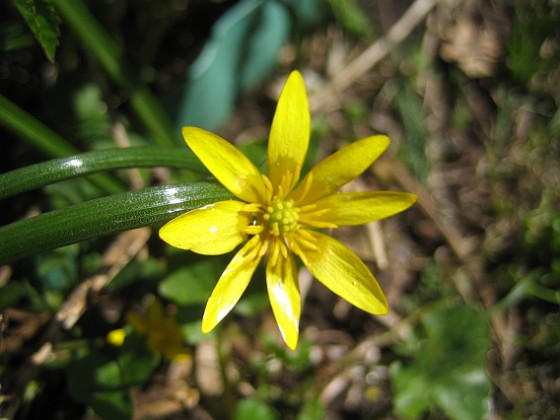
(104,216)
(136,360)
(448,370)
(95,380)
(43,20)
(253,408)
(104,383)
(192,283)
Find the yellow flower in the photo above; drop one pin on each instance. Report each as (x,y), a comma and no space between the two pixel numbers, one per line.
(163,333)
(279,217)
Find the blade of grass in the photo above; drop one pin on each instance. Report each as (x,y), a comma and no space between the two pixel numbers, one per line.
(104,216)
(33,131)
(43,139)
(44,173)
(111,57)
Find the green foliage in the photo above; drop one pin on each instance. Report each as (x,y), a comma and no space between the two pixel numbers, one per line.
(192,283)
(312,410)
(352,16)
(35,176)
(412,114)
(42,18)
(531,29)
(103,381)
(98,85)
(252,408)
(448,367)
(104,216)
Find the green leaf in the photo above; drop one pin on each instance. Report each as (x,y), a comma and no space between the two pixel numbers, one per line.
(104,382)
(41,174)
(104,216)
(253,408)
(43,20)
(136,360)
(44,139)
(352,16)
(95,380)
(412,114)
(12,293)
(531,28)
(192,283)
(110,55)
(448,371)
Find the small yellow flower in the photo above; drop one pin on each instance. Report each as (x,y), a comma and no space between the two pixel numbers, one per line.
(279,217)
(163,333)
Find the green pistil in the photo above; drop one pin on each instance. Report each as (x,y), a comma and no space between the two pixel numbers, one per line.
(281,217)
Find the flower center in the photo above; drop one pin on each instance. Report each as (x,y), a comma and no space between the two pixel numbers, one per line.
(281,217)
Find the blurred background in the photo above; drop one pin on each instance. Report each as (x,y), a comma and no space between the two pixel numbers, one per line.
(468,91)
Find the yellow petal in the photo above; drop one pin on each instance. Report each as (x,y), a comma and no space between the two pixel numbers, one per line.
(340,168)
(289,135)
(210,230)
(116,337)
(283,292)
(227,163)
(350,209)
(232,284)
(345,274)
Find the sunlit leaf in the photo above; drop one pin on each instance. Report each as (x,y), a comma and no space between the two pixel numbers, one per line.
(192,283)
(104,216)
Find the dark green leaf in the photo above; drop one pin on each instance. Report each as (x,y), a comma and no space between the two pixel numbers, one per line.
(104,216)
(38,175)
(96,380)
(12,293)
(136,360)
(44,21)
(42,138)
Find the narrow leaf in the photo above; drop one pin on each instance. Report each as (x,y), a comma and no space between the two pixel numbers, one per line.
(43,139)
(104,216)
(44,173)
